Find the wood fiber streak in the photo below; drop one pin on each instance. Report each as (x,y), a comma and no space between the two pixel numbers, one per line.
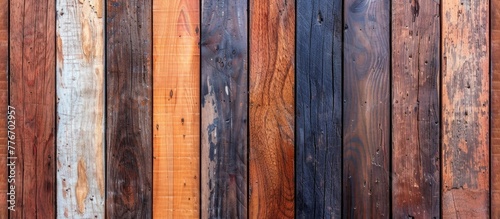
(366,109)
(415,109)
(32,93)
(495,108)
(224,61)
(4,101)
(80,108)
(465,102)
(319,109)
(176,109)
(129,109)
(272,81)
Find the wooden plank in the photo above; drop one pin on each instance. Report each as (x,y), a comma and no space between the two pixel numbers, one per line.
(80,109)
(129,109)
(366,109)
(415,109)
(4,101)
(176,109)
(272,110)
(224,64)
(495,108)
(465,103)
(32,93)
(319,109)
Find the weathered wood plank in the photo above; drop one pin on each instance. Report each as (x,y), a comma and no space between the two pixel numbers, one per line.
(319,109)
(495,108)
(129,109)
(176,109)
(224,64)
(80,109)
(272,81)
(4,101)
(415,109)
(32,93)
(366,109)
(465,102)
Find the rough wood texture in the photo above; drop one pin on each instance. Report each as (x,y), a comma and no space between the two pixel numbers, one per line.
(80,109)
(4,101)
(129,109)
(415,109)
(495,108)
(319,109)
(32,93)
(272,81)
(224,109)
(366,109)
(176,109)
(465,103)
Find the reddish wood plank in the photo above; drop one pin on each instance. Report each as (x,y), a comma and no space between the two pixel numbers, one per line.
(415,109)
(4,98)
(465,103)
(495,108)
(32,93)
(272,80)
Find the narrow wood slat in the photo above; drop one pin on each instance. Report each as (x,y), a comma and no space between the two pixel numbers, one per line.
(129,109)
(272,81)
(415,109)
(4,101)
(319,109)
(465,102)
(224,65)
(80,109)
(176,109)
(32,93)
(366,109)
(495,108)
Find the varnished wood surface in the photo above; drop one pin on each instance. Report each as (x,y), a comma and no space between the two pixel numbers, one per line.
(4,101)
(495,108)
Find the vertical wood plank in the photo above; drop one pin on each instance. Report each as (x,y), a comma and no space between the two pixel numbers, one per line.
(415,109)
(465,93)
(495,108)
(80,109)
(319,109)
(272,81)
(366,109)
(176,109)
(224,108)
(4,101)
(129,109)
(32,93)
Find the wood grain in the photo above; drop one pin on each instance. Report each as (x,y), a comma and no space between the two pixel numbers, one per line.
(319,109)
(272,81)
(4,101)
(32,93)
(465,103)
(176,109)
(129,109)
(495,108)
(366,109)
(415,109)
(224,89)
(80,109)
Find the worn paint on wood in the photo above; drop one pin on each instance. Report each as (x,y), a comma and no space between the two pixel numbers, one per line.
(176,109)
(4,98)
(465,103)
(415,109)
(272,81)
(319,109)
(366,109)
(129,109)
(80,109)
(495,108)
(224,89)
(32,93)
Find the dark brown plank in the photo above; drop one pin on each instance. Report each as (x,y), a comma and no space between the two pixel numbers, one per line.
(495,108)
(32,93)
(366,109)
(4,101)
(415,109)
(319,109)
(272,81)
(224,97)
(129,109)
(465,103)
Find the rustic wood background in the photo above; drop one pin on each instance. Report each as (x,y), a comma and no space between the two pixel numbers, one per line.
(251,108)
